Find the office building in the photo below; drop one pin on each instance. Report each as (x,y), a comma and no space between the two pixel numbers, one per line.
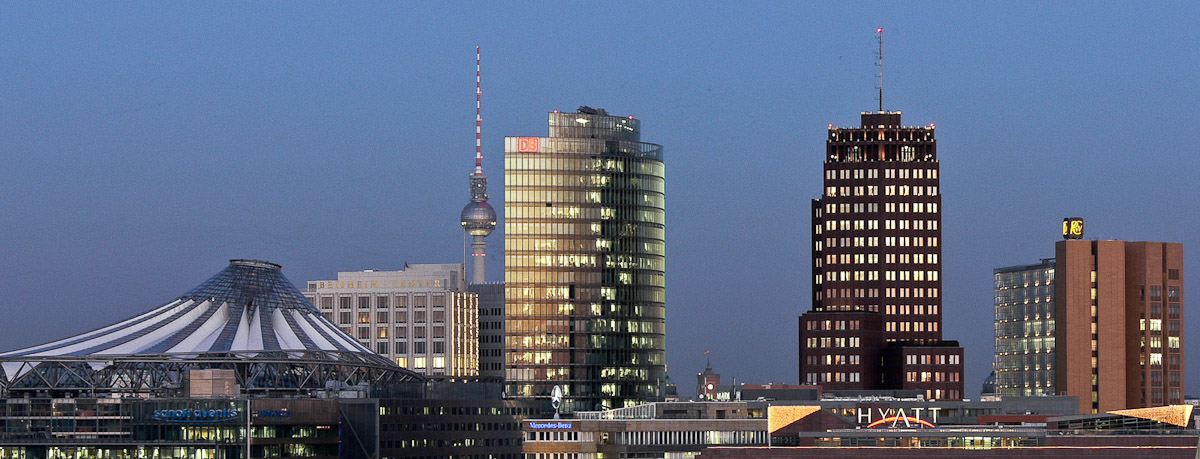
(491,329)
(452,419)
(1118,308)
(876,262)
(652,430)
(1024,303)
(421,317)
(584,262)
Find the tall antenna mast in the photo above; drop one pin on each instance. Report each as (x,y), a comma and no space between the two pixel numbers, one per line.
(478,119)
(879,63)
(478,218)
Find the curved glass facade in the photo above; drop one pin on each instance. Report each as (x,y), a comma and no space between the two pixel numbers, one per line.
(584,262)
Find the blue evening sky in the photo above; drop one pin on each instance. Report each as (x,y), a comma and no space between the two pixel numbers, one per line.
(144,144)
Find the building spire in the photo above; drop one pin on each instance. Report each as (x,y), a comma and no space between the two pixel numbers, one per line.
(478,217)
(478,118)
(879,63)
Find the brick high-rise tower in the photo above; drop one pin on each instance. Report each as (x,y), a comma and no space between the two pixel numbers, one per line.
(876,320)
(1119,323)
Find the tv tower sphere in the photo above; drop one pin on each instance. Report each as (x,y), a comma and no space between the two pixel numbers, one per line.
(478,218)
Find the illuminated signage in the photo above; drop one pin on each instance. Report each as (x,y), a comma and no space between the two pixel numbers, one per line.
(197,415)
(529,144)
(1072,228)
(895,421)
(550,425)
(898,417)
(379,284)
(272,415)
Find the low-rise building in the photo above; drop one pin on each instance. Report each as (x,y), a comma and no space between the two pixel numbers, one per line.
(660,430)
(422,317)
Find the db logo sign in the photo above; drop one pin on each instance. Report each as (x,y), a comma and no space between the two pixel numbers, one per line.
(529,144)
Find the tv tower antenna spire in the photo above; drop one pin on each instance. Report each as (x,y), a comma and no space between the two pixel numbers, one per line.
(879,64)
(478,217)
(478,118)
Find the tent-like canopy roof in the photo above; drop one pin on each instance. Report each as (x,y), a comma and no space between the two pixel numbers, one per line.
(247,310)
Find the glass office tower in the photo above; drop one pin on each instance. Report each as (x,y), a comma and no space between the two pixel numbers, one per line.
(584,262)
(1025,329)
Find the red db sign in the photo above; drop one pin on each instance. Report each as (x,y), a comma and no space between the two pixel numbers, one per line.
(529,144)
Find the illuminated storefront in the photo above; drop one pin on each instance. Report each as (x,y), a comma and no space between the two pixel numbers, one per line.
(669,429)
(184,427)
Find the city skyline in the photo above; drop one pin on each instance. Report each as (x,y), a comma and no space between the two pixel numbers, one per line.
(141,136)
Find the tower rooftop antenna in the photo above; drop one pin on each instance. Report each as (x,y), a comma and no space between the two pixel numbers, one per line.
(478,119)
(879,64)
(478,217)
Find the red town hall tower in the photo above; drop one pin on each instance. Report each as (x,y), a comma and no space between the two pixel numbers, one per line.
(876,319)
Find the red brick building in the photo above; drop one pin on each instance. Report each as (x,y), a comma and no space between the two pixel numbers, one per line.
(876,261)
(1119,323)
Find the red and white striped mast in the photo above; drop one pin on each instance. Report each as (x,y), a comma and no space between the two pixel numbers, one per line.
(478,118)
(478,217)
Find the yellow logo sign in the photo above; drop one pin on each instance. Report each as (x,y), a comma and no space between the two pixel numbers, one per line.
(1072,228)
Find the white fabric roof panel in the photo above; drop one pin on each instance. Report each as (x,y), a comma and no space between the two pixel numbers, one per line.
(249,306)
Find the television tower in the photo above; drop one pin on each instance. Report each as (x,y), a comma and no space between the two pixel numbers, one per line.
(478,217)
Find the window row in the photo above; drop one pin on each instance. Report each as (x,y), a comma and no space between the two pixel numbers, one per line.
(419,347)
(828,377)
(892,292)
(382,301)
(888,207)
(873,241)
(834,359)
(932,359)
(933,376)
(833,325)
(873,190)
(895,276)
(907,309)
(891,173)
(365,333)
(382,317)
(422,362)
(828,342)
(910,326)
(890,258)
